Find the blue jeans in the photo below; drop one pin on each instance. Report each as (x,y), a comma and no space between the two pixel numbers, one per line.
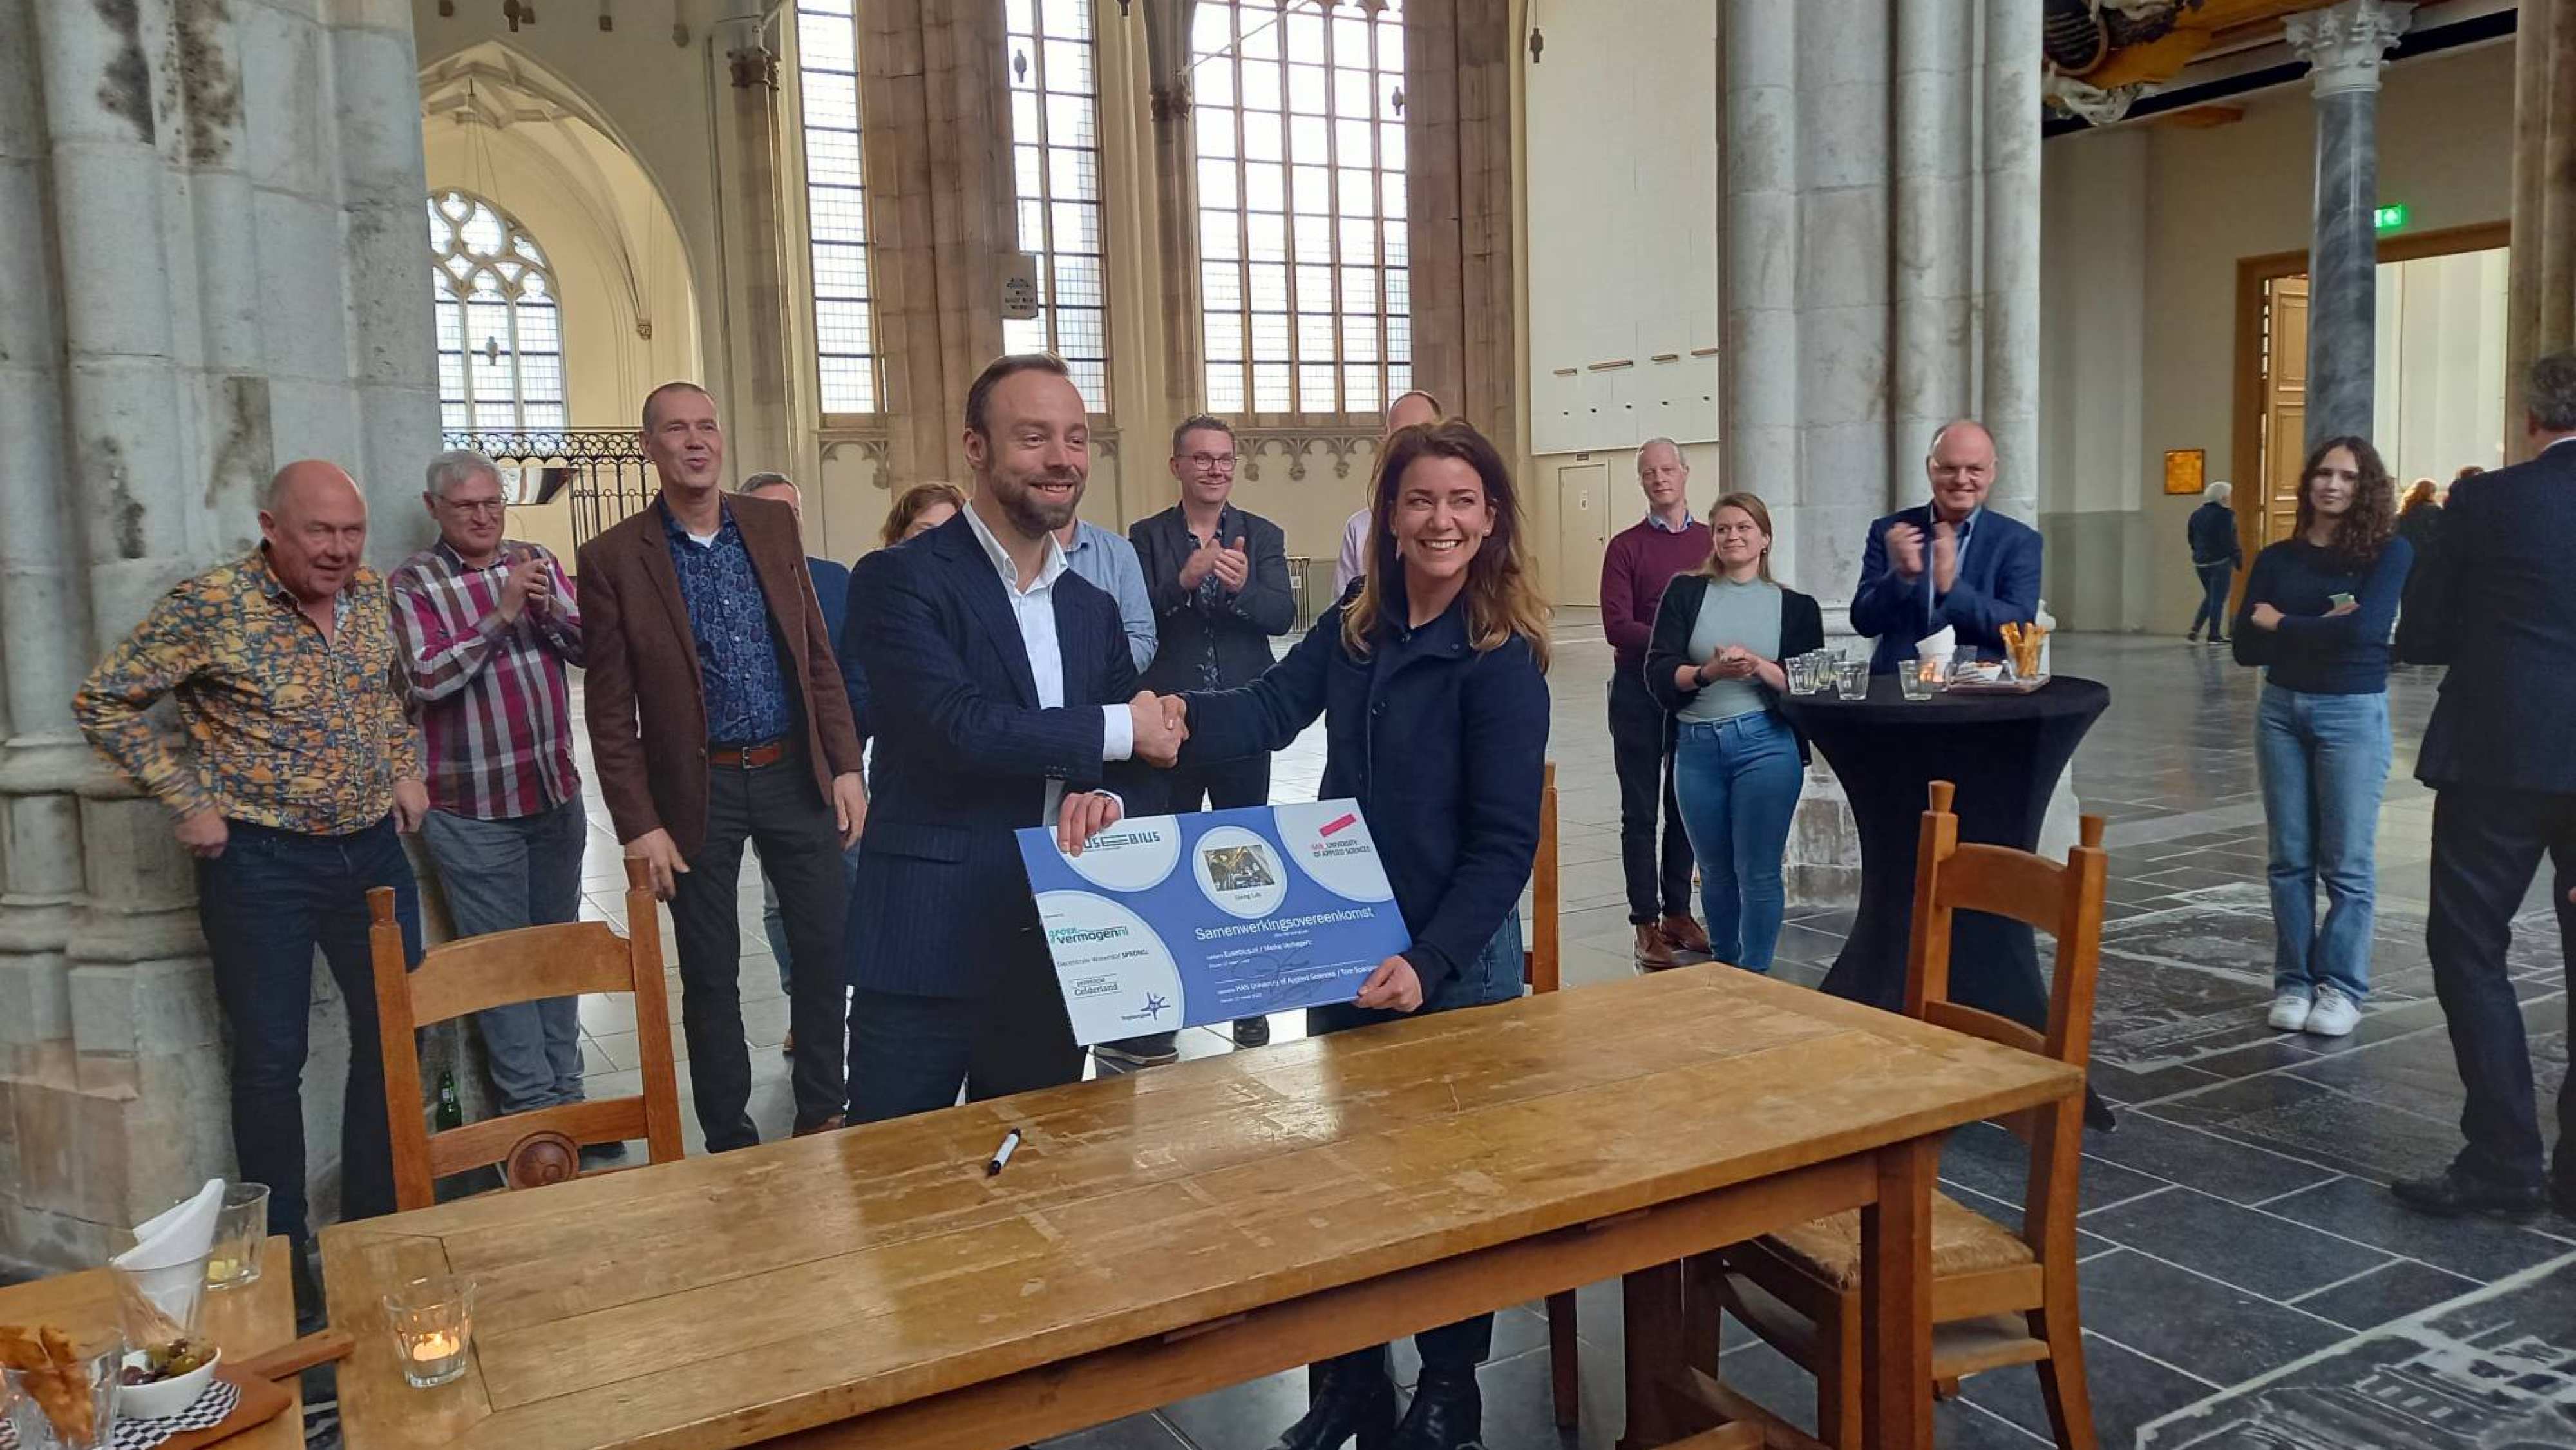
(501,876)
(773,922)
(265,904)
(2324,760)
(1738,781)
(2214,582)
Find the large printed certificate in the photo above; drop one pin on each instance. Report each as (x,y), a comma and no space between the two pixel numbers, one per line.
(1178,921)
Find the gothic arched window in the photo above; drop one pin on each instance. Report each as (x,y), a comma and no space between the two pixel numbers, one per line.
(836,218)
(500,330)
(1303,263)
(1055,153)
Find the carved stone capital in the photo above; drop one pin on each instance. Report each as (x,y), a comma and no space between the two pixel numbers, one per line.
(754,66)
(2346,44)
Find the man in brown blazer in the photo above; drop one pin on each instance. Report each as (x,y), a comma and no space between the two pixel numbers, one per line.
(717,715)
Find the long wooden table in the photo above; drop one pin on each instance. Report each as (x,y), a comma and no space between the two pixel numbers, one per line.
(244,1323)
(1171,1232)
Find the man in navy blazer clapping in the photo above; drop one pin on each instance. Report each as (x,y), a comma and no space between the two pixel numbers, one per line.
(1948,564)
(1000,689)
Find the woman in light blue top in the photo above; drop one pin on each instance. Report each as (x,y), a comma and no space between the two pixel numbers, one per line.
(1713,661)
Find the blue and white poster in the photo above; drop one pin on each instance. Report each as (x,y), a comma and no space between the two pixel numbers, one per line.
(1180,921)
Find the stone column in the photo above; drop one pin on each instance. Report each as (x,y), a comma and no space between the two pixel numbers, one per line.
(1176,205)
(1882,210)
(1458,58)
(2345,45)
(764,439)
(2541,310)
(940,210)
(216,263)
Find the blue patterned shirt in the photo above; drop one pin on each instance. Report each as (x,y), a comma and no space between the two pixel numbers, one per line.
(747,702)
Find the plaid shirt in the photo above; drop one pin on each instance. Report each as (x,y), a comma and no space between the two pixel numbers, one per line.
(288,729)
(494,704)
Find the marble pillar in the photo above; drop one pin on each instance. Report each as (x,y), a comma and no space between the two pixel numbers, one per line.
(2345,45)
(1176,206)
(2540,311)
(211,215)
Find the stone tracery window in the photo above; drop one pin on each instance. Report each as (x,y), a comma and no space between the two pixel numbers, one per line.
(500,329)
(1304,283)
(1055,152)
(827,71)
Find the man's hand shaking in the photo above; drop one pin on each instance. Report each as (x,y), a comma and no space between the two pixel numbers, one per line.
(1160,727)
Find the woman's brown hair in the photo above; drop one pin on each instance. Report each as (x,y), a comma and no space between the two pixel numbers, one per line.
(910,504)
(1502,596)
(2365,527)
(1752,507)
(2418,496)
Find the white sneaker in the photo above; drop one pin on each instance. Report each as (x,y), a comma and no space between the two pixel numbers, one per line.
(2334,1015)
(2289,1010)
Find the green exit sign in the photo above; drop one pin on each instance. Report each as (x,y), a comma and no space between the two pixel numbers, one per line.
(2390,218)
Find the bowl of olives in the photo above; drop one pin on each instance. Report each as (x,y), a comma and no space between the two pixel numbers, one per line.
(166,1379)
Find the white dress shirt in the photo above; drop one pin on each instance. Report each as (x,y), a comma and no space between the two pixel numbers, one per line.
(1033,609)
(1354,556)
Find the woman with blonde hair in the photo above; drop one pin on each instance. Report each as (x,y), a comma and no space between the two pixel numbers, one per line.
(1714,663)
(1430,678)
(921,508)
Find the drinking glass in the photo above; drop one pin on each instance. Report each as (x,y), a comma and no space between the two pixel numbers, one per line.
(240,1231)
(1919,678)
(36,1429)
(433,1327)
(159,1306)
(1851,677)
(1802,674)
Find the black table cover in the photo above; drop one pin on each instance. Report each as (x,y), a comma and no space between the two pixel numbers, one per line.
(2005,753)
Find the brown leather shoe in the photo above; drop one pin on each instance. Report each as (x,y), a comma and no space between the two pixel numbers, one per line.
(832,1124)
(1654,954)
(1683,933)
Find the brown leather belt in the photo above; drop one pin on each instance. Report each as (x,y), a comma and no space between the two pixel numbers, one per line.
(747,757)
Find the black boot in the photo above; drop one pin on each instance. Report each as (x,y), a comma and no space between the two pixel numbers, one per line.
(1447,1413)
(1346,1397)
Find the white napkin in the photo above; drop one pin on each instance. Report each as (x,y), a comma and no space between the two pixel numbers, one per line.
(1937,645)
(177,1234)
(2046,621)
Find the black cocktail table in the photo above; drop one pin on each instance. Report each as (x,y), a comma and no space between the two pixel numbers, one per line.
(2005,753)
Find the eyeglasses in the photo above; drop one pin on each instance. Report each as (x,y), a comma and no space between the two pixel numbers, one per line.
(489,508)
(1206,462)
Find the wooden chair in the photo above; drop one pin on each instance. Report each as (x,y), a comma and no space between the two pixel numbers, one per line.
(522,966)
(1998,1298)
(1540,963)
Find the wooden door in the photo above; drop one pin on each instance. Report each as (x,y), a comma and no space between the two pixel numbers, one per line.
(2285,412)
(1582,530)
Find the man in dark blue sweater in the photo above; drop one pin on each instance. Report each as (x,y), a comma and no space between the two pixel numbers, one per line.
(2216,555)
(2497,604)
(831,590)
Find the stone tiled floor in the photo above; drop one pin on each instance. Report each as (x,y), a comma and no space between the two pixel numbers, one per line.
(2242,1258)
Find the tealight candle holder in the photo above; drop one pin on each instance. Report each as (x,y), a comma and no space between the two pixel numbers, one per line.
(433,1327)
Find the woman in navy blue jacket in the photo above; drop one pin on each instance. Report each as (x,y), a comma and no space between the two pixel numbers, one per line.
(1430,678)
(2317,615)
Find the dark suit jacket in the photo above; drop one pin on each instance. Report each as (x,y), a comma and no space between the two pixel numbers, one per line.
(2497,603)
(1802,628)
(964,754)
(641,691)
(1998,582)
(1241,624)
(1442,745)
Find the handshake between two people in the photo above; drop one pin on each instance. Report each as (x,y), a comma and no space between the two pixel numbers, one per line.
(1161,723)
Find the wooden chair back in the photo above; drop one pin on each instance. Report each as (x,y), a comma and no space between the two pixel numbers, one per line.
(462,977)
(2063,899)
(1539,959)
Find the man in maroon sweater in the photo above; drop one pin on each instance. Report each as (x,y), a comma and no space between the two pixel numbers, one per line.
(1640,561)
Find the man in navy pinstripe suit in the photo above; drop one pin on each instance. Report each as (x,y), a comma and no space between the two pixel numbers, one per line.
(1000,687)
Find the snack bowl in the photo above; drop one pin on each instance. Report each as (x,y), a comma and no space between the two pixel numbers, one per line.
(160,1399)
